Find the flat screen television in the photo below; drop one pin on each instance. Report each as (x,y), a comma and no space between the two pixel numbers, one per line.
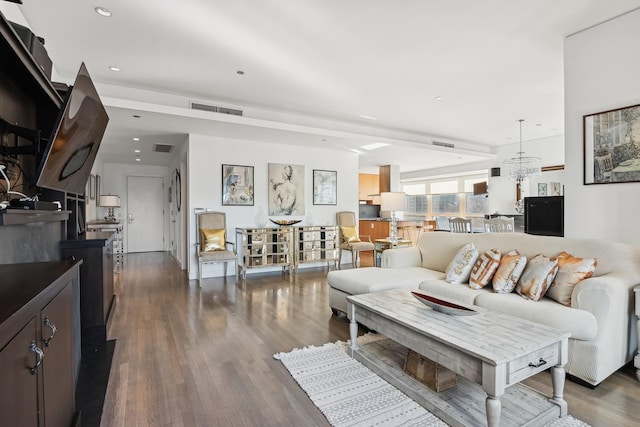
(544,215)
(71,150)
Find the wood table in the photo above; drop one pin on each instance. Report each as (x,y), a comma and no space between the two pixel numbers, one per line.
(490,351)
(382,245)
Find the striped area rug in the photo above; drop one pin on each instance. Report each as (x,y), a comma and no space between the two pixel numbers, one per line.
(350,394)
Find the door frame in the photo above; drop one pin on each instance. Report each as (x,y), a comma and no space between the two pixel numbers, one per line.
(165,221)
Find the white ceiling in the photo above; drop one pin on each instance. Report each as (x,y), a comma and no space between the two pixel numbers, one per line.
(314,68)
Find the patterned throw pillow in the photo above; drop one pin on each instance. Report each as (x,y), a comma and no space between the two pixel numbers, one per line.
(511,266)
(350,234)
(483,270)
(537,277)
(212,239)
(460,266)
(571,270)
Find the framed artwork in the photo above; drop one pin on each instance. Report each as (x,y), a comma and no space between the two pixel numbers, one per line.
(92,187)
(98,190)
(325,187)
(237,185)
(555,189)
(542,189)
(286,189)
(612,146)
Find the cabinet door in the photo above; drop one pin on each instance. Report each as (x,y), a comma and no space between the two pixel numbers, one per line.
(57,369)
(18,386)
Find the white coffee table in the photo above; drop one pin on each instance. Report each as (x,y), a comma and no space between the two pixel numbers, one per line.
(491,350)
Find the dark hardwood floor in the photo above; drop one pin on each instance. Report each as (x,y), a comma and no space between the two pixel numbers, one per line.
(190,356)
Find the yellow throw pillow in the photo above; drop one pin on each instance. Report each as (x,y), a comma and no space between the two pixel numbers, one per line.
(571,271)
(350,234)
(212,239)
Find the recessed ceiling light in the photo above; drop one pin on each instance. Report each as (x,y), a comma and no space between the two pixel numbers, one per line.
(137,159)
(116,69)
(103,11)
(136,139)
(373,146)
(136,151)
(438,98)
(368,117)
(356,151)
(136,116)
(240,72)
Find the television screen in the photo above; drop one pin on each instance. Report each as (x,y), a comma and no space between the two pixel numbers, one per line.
(72,148)
(544,215)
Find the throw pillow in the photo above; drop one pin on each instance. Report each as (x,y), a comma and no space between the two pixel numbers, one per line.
(537,277)
(511,266)
(571,270)
(350,234)
(460,266)
(484,269)
(212,239)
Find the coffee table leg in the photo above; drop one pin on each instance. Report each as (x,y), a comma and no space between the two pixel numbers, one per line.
(557,379)
(493,407)
(353,328)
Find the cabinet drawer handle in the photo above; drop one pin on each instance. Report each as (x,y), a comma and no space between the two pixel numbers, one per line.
(541,362)
(50,324)
(34,348)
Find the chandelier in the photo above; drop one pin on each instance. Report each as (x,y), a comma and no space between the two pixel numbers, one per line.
(521,167)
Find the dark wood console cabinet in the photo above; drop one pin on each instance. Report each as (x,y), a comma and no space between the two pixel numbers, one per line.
(35,298)
(96,280)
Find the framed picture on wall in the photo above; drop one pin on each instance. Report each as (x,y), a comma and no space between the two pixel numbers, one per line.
(612,146)
(286,189)
(237,185)
(325,187)
(92,187)
(555,189)
(542,189)
(98,190)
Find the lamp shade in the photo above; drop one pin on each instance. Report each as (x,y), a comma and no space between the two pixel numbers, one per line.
(110,201)
(392,201)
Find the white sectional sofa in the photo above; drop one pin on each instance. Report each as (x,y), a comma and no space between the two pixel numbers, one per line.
(600,319)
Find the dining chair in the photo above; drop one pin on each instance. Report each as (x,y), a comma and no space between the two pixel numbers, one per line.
(349,238)
(460,225)
(501,224)
(212,246)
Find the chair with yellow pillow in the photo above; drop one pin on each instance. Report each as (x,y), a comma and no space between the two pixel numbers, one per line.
(349,239)
(212,245)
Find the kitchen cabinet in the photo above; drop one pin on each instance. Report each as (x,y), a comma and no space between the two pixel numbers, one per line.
(39,343)
(374,229)
(368,184)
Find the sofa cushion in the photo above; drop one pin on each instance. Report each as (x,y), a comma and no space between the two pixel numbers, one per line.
(373,279)
(581,324)
(511,267)
(484,269)
(571,271)
(537,277)
(456,291)
(460,266)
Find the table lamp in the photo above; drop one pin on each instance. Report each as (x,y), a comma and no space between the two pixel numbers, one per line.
(110,201)
(393,201)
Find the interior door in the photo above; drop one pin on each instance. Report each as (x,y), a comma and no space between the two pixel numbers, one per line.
(145,214)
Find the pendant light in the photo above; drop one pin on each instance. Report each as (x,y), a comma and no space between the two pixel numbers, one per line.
(521,167)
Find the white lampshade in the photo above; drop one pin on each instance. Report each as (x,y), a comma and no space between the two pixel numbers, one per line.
(392,201)
(110,201)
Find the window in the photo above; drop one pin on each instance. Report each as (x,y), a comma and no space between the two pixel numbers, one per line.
(416,204)
(445,204)
(476,205)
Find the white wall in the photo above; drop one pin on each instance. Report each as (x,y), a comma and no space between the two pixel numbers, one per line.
(114,181)
(206,156)
(602,72)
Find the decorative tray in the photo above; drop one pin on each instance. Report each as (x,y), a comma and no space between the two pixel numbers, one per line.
(285,222)
(443,306)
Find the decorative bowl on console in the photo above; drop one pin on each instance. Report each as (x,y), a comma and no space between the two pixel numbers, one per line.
(285,222)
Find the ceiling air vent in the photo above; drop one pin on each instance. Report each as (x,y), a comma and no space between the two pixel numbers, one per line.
(214,109)
(162,148)
(443,144)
